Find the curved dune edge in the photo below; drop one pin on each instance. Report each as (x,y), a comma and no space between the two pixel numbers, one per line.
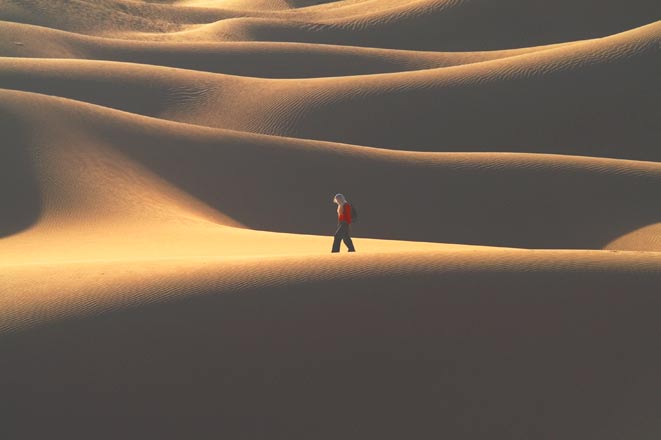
(79,288)
(361,336)
(98,167)
(166,176)
(600,83)
(257,59)
(419,25)
(647,236)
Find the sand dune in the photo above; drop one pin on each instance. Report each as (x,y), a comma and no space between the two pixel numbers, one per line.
(469,345)
(429,24)
(413,24)
(259,59)
(591,99)
(103,16)
(514,200)
(166,176)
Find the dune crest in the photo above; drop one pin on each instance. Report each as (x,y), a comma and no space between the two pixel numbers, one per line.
(591,98)
(167,171)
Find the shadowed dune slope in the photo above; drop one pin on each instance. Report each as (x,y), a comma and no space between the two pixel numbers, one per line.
(166,175)
(594,98)
(461,345)
(259,59)
(432,24)
(414,24)
(19,191)
(516,200)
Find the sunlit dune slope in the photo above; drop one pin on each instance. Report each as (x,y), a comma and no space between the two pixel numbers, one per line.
(432,24)
(99,16)
(413,24)
(594,98)
(332,347)
(492,199)
(167,170)
(259,59)
(648,237)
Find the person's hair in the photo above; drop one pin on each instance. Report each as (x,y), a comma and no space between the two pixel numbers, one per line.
(340,200)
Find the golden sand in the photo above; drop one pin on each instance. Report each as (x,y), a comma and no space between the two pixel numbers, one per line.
(166,180)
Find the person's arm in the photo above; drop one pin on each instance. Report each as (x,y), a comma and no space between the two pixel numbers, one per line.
(347,213)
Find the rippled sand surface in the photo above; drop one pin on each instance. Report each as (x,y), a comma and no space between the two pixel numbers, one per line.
(166,176)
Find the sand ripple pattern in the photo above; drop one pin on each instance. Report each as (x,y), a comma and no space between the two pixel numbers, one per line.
(166,171)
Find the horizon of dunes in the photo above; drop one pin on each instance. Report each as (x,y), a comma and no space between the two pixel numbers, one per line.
(166,180)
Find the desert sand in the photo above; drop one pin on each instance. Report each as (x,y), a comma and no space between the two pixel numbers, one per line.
(166,176)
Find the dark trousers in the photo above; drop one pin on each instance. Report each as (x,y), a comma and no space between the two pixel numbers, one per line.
(342,234)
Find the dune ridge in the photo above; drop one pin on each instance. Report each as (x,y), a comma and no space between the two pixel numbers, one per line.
(166,176)
(260,59)
(599,83)
(550,204)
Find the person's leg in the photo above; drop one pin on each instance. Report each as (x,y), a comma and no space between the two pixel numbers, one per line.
(338,239)
(347,240)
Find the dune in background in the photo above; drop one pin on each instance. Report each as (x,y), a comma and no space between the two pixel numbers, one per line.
(166,180)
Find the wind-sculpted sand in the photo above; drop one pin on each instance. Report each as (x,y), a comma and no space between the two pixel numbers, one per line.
(166,176)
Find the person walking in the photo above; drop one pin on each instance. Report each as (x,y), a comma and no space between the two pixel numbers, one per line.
(344,217)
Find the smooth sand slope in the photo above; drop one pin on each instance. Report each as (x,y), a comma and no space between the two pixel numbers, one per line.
(596,98)
(166,176)
(471,346)
(259,59)
(432,24)
(398,24)
(514,200)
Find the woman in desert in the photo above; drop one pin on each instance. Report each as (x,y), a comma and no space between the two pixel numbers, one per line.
(344,218)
